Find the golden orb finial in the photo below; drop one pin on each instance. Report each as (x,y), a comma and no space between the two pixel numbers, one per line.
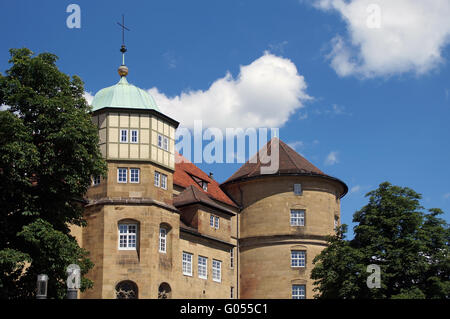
(123,70)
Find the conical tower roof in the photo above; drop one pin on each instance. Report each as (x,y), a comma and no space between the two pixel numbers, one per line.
(290,163)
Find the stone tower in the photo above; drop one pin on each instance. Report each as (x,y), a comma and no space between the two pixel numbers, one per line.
(128,208)
(283,220)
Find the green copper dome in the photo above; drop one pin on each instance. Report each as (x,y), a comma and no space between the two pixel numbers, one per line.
(123,95)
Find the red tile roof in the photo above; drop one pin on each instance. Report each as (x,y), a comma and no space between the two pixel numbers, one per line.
(193,195)
(183,176)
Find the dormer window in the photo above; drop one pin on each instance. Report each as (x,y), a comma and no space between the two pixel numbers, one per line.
(205,186)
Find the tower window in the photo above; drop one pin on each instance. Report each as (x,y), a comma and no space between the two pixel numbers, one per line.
(214,221)
(297,189)
(127,236)
(123,136)
(297,217)
(187,264)
(202,267)
(298,258)
(134,136)
(217,270)
(134,175)
(122,175)
(157,178)
(162,240)
(298,292)
(165,144)
(163,181)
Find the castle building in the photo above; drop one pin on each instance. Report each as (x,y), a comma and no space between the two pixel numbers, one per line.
(159,227)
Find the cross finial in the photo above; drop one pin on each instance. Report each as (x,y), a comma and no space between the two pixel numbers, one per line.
(123,48)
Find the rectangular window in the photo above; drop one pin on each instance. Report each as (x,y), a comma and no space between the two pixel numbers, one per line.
(122,175)
(165,144)
(157,179)
(297,217)
(216,222)
(123,136)
(297,189)
(217,270)
(162,240)
(298,292)
(232,293)
(127,236)
(96,180)
(160,141)
(187,264)
(232,258)
(205,186)
(134,136)
(163,181)
(202,267)
(134,175)
(211,221)
(298,258)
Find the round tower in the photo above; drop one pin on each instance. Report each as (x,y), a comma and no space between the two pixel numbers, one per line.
(285,216)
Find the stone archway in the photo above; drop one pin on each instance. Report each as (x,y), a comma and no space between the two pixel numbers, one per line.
(126,289)
(164,291)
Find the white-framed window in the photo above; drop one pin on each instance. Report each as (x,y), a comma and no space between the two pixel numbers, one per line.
(127,236)
(134,136)
(162,240)
(202,267)
(214,221)
(160,141)
(96,180)
(122,174)
(297,217)
(298,292)
(232,258)
(165,143)
(205,186)
(163,181)
(217,270)
(134,175)
(157,178)
(297,189)
(124,136)
(187,264)
(298,258)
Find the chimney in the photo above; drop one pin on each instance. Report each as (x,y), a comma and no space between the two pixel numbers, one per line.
(211,175)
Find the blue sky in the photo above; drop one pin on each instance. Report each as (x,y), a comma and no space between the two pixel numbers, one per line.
(379,98)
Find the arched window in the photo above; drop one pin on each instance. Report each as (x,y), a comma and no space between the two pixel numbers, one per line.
(164,291)
(162,240)
(126,290)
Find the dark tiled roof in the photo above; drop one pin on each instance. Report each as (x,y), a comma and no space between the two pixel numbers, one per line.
(184,175)
(290,162)
(193,195)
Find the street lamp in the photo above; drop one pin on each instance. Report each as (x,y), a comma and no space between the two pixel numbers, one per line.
(42,281)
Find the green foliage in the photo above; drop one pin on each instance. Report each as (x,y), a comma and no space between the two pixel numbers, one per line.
(48,153)
(410,246)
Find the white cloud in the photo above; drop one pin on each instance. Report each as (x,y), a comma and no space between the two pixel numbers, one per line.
(332,158)
(410,38)
(264,94)
(355,189)
(89,97)
(296,145)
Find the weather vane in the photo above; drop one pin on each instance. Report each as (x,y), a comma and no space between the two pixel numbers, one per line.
(123,48)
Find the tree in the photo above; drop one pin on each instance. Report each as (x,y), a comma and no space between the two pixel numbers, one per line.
(393,231)
(48,153)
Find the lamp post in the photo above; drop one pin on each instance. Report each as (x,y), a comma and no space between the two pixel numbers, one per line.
(42,281)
